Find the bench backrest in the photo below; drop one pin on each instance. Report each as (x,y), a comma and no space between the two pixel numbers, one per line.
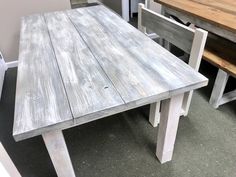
(191,41)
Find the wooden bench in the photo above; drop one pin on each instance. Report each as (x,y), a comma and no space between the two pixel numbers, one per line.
(225,60)
(191,41)
(222,54)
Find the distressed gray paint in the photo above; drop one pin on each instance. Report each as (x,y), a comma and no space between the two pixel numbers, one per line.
(138,67)
(179,35)
(119,56)
(40,96)
(88,88)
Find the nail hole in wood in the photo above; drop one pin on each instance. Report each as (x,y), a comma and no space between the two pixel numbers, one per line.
(106,87)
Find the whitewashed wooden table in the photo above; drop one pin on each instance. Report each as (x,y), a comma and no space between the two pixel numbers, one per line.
(85,64)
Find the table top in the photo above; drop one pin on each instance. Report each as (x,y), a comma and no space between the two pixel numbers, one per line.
(221,13)
(80,65)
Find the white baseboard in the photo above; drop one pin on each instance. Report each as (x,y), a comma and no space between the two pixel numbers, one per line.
(12,64)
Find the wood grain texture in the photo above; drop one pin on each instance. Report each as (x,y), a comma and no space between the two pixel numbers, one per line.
(41,101)
(218,12)
(170,30)
(138,67)
(106,65)
(187,15)
(88,88)
(221,53)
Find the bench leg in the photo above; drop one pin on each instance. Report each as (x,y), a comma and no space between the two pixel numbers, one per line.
(218,89)
(154,114)
(186,103)
(125,9)
(58,152)
(170,113)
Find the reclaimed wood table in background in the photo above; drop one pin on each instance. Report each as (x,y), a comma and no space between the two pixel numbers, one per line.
(84,64)
(218,16)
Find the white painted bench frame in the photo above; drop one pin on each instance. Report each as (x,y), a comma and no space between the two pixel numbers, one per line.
(218,97)
(9,168)
(196,50)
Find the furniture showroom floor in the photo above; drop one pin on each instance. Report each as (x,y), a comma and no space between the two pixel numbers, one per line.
(124,145)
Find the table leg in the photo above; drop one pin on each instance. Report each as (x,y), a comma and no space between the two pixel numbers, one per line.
(170,113)
(58,152)
(154,114)
(125,9)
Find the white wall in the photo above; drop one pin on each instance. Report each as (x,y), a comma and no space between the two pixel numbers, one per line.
(10,13)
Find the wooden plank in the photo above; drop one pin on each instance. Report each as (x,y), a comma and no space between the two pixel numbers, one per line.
(220,13)
(58,152)
(88,88)
(195,58)
(41,102)
(201,23)
(170,30)
(139,68)
(219,87)
(221,53)
(227,97)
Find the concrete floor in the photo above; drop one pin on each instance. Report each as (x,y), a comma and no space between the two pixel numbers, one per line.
(123,145)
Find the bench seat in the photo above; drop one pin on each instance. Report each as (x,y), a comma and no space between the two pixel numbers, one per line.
(222,54)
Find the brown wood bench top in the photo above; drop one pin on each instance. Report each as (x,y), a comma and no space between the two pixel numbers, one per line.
(221,53)
(221,13)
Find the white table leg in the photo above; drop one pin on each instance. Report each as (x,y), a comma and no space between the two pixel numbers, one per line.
(154,114)
(58,152)
(170,113)
(218,89)
(125,9)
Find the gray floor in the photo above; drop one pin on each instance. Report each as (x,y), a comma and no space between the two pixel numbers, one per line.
(123,145)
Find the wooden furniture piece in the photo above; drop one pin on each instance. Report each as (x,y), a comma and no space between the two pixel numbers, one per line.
(216,16)
(7,167)
(85,64)
(189,40)
(134,6)
(226,62)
